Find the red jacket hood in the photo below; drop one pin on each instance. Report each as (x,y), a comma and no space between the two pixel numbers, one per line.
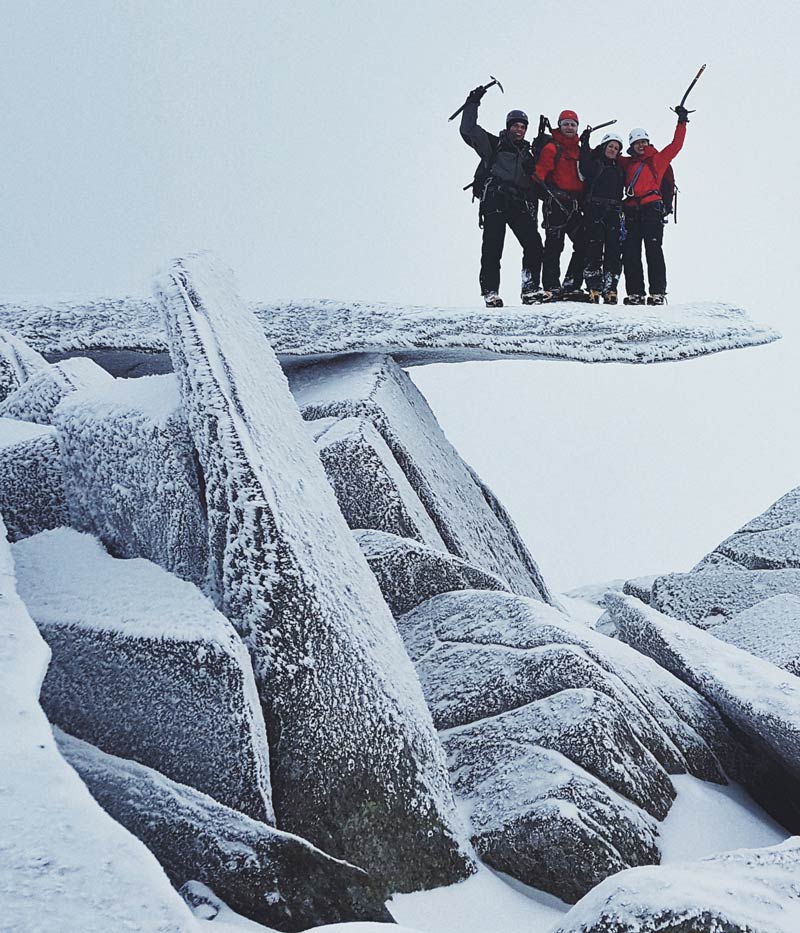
(569,144)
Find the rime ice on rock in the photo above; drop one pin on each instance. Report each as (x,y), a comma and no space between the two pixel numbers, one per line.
(18,362)
(131,474)
(377,389)
(32,496)
(272,877)
(640,587)
(769,630)
(744,891)
(717,593)
(371,489)
(38,396)
(64,863)
(145,667)
(408,573)
(356,763)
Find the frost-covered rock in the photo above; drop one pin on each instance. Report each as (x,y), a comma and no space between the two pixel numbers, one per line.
(539,817)
(64,863)
(640,587)
(18,362)
(37,397)
(356,763)
(144,667)
(718,593)
(272,877)
(679,727)
(377,389)
(746,891)
(408,573)
(131,475)
(371,489)
(32,496)
(769,630)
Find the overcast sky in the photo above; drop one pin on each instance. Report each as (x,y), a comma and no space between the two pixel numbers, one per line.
(307,144)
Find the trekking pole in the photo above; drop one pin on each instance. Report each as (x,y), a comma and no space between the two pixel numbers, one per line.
(683,99)
(486,88)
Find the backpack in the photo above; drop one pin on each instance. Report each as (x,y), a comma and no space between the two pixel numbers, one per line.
(669,193)
(481,175)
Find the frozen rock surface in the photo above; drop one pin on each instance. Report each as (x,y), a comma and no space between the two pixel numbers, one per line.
(746,891)
(769,630)
(64,863)
(303,330)
(371,489)
(144,667)
(131,473)
(718,593)
(377,389)
(274,878)
(640,587)
(18,362)
(408,573)
(37,397)
(32,496)
(356,763)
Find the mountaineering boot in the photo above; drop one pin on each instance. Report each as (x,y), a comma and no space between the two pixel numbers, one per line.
(594,297)
(574,294)
(610,298)
(535,297)
(633,300)
(551,294)
(493,300)
(657,300)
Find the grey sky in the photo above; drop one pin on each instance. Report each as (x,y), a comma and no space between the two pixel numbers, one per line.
(307,143)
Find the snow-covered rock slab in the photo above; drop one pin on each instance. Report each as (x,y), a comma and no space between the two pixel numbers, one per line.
(408,572)
(37,397)
(371,489)
(32,496)
(145,667)
(64,863)
(18,362)
(746,891)
(271,877)
(304,330)
(356,763)
(662,709)
(769,630)
(640,587)
(718,593)
(377,389)
(131,474)
(761,699)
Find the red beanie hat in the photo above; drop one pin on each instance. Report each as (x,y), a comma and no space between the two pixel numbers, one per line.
(568,115)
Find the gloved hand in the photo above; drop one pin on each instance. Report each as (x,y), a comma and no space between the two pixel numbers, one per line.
(474,96)
(683,114)
(584,137)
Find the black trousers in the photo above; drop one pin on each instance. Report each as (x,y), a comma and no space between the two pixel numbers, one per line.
(645,225)
(562,220)
(498,211)
(603,247)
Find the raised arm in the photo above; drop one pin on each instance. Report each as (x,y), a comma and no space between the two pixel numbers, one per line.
(473,134)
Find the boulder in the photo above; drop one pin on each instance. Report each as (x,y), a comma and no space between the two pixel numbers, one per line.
(32,496)
(640,587)
(269,876)
(18,362)
(36,398)
(769,630)
(539,817)
(371,489)
(408,573)
(746,891)
(64,863)
(377,389)
(146,668)
(357,767)
(131,473)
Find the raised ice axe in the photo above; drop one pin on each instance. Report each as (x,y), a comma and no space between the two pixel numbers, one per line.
(486,88)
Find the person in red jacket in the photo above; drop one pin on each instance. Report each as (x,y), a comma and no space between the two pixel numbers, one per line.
(644,212)
(557,172)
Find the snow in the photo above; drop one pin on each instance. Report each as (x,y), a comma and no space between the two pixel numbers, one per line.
(15,432)
(769,630)
(304,330)
(37,397)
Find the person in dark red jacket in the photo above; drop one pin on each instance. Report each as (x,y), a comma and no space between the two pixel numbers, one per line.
(644,212)
(557,172)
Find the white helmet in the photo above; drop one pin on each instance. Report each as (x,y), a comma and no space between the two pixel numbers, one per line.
(611,138)
(636,134)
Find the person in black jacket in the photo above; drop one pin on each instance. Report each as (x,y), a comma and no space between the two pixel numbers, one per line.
(507,198)
(604,224)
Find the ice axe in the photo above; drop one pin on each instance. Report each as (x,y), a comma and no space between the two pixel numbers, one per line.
(600,125)
(486,88)
(683,99)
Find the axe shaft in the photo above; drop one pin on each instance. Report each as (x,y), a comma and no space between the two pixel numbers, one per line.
(696,78)
(486,88)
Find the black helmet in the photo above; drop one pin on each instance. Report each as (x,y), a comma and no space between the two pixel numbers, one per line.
(516,116)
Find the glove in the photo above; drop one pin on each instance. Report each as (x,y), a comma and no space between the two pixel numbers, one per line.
(584,137)
(474,97)
(683,114)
